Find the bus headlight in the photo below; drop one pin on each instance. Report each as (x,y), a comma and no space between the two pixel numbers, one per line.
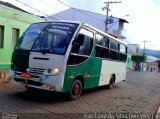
(55,71)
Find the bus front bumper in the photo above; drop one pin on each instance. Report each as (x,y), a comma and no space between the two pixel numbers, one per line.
(38,83)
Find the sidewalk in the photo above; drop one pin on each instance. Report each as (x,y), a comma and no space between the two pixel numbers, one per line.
(4,76)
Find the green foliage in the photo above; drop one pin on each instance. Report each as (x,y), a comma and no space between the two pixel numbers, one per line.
(139,58)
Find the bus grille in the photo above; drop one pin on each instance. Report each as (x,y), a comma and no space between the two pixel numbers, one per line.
(36,71)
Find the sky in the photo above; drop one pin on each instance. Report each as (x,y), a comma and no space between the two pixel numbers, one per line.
(144,15)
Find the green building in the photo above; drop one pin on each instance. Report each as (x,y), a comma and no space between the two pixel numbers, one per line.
(13,22)
(129,62)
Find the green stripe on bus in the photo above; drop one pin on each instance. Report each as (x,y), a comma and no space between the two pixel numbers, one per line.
(92,67)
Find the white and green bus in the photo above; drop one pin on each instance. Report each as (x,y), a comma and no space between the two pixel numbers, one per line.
(65,56)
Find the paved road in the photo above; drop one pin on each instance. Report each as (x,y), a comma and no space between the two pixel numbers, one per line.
(140,93)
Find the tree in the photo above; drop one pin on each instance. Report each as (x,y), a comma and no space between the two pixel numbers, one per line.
(139,58)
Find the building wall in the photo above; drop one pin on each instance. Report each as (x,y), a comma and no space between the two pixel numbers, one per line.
(10,18)
(152,64)
(151,68)
(133,48)
(129,62)
(113,27)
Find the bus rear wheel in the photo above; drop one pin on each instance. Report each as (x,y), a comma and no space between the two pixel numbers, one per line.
(76,90)
(111,82)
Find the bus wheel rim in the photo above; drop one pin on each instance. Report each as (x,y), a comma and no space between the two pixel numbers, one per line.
(76,89)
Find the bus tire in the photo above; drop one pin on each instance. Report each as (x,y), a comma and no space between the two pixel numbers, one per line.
(76,90)
(111,82)
(30,88)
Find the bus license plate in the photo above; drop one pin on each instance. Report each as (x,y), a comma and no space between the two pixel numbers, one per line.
(25,75)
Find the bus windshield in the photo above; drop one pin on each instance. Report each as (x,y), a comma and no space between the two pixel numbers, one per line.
(53,37)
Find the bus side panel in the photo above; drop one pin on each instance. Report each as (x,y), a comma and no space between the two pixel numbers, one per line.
(96,72)
(121,71)
(112,67)
(89,70)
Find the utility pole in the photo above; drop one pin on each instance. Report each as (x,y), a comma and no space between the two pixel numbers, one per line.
(107,12)
(158,56)
(144,53)
(144,46)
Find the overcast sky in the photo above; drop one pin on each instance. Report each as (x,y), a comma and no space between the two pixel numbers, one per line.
(144,15)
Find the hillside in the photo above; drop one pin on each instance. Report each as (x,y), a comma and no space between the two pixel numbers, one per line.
(155,53)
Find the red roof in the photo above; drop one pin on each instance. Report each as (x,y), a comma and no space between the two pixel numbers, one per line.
(154,63)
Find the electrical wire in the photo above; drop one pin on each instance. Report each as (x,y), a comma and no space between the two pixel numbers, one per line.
(37,10)
(80,11)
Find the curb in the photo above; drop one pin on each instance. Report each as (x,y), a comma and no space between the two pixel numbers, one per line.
(4,80)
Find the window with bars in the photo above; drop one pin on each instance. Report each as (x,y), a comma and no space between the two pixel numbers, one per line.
(1,36)
(15,36)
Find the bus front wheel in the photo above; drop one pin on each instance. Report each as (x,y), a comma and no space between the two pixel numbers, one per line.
(76,90)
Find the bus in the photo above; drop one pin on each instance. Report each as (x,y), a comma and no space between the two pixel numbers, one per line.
(67,56)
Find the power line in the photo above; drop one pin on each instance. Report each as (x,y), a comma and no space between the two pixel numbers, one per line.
(107,12)
(37,10)
(144,46)
(112,25)
(52,6)
(80,11)
(117,21)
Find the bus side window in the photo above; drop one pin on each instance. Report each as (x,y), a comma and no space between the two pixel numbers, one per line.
(81,47)
(86,48)
(102,46)
(114,50)
(78,42)
(123,53)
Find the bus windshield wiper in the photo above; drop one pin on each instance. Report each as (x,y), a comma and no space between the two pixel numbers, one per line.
(44,51)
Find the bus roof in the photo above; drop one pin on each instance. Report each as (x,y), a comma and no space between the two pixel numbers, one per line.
(88,25)
(106,34)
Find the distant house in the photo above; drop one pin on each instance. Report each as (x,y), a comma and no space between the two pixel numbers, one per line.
(115,25)
(13,22)
(152,64)
(133,48)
